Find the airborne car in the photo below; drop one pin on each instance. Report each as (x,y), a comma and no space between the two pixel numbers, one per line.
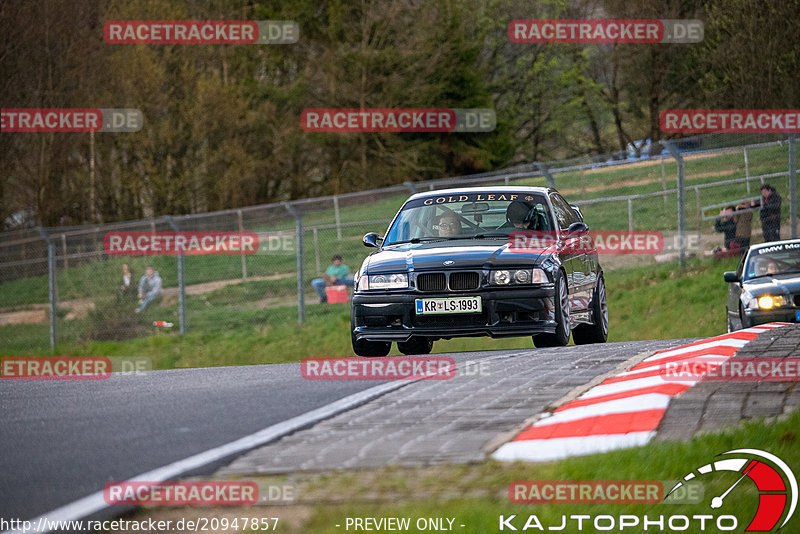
(766,285)
(448,266)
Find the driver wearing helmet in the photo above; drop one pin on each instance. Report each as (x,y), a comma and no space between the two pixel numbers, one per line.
(520,215)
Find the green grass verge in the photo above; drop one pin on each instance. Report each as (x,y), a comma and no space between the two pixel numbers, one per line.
(476,495)
(226,326)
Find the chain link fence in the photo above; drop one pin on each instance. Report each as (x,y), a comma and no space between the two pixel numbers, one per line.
(59,286)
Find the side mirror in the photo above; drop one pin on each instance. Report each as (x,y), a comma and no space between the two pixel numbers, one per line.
(730,276)
(577,228)
(371,240)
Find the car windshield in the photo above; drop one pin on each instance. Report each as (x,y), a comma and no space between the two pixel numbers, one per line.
(773,260)
(462,216)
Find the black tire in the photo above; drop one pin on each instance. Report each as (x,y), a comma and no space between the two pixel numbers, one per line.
(416,345)
(585,334)
(363,347)
(561,301)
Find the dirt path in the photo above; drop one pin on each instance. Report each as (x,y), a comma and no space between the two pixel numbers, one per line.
(79,308)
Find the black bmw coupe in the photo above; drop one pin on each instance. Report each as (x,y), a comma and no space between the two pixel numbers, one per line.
(488,261)
(766,285)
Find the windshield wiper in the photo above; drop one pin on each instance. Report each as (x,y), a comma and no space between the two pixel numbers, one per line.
(416,240)
(446,238)
(773,274)
(485,236)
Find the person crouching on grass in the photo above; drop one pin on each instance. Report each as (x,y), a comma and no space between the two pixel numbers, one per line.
(149,288)
(337,274)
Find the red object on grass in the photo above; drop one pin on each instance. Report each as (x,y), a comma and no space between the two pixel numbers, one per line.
(336,294)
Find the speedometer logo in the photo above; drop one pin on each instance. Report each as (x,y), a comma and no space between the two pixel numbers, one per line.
(776,484)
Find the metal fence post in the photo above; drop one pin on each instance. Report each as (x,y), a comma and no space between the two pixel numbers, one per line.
(336,217)
(793,185)
(316,252)
(51,283)
(681,203)
(630,215)
(698,210)
(298,225)
(181,285)
(746,171)
(543,167)
(244,260)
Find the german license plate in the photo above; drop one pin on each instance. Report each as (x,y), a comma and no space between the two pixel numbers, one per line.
(797,316)
(449,305)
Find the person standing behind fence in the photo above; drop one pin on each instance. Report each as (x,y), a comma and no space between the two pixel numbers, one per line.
(770,213)
(149,288)
(743,217)
(127,290)
(726,225)
(337,274)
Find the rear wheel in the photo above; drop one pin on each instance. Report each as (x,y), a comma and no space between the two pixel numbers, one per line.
(561,301)
(598,332)
(363,347)
(416,345)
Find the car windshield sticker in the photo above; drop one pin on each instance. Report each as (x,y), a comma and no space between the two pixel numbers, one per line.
(778,248)
(474,197)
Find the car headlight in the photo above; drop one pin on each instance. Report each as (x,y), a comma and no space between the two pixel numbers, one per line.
(767,302)
(383,281)
(505,277)
(501,278)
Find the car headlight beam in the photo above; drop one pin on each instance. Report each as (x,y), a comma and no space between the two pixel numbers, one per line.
(767,302)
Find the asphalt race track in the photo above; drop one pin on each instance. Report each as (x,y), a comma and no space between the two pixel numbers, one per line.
(63,440)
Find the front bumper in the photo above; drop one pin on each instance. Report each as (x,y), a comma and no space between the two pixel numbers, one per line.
(782,314)
(506,312)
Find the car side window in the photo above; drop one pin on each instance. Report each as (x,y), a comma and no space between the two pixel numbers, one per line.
(740,268)
(565,215)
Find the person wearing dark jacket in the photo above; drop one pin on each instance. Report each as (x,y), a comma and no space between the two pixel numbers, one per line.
(770,213)
(726,225)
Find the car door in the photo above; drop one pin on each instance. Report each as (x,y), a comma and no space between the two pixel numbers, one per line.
(569,247)
(734,295)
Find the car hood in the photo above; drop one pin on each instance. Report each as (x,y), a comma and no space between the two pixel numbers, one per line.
(467,254)
(781,284)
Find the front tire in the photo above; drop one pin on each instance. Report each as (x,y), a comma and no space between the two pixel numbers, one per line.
(363,347)
(416,345)
(561,301)
(598,332)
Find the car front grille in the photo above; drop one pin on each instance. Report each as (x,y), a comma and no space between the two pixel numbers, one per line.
(454,281)
(461,281)
(431,282)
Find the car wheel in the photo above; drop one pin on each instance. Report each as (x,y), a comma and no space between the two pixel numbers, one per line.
(416,345)
(561,300)
(363,347)
(598,332)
